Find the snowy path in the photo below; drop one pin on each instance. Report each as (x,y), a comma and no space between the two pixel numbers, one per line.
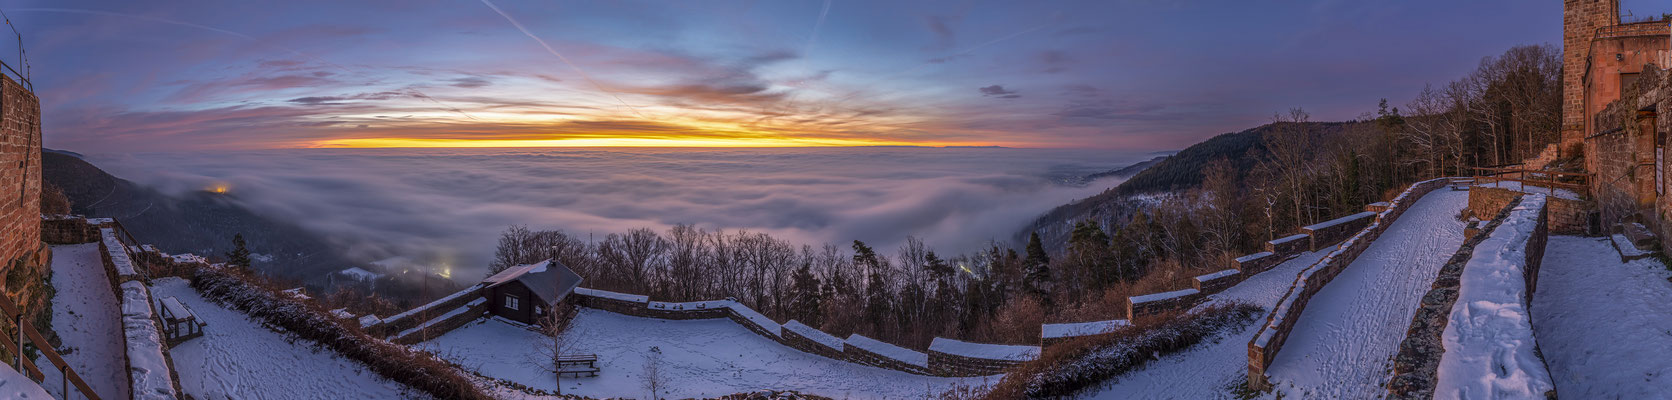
(1208,370)
(701,358)
(239,358)
(1604,326)
(85,317)
(1344,342)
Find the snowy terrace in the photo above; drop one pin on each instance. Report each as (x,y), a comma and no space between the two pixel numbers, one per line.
(1603,325)
(87,318)
(700,358)
(1343,344)
(238,357)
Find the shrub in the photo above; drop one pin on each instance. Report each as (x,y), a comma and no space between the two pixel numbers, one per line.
(415,369)
(1068,368)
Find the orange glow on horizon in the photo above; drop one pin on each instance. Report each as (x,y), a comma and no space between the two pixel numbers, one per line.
(610,142)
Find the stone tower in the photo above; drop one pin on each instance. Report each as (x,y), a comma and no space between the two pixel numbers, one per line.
(1580,21)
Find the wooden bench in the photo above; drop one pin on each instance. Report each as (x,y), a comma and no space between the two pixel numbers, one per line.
(578,364)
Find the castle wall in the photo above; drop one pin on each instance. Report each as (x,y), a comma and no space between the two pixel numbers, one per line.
(1580,20)
(20,175)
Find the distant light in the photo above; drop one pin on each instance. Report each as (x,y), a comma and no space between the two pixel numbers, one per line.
(219,189)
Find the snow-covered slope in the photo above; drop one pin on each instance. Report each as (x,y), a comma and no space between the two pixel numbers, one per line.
(239,358)
(85,316)
(1603,326)
(1343,344)
(1208,370)
(700,358)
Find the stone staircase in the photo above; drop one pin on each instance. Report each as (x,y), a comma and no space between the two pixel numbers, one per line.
(1634,241)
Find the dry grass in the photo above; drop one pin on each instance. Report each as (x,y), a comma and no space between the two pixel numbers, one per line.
(1071,367)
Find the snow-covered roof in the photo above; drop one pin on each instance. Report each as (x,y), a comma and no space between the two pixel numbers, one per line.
(897,353)
(1163,296)
(814,334)
(631,298)
(1058,331)
(549,280)
(467,291)
(342,313)
(296,293)
(370,319)
(983,350)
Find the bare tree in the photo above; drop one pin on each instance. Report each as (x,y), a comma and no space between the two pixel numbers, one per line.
(554,324)
(652,376)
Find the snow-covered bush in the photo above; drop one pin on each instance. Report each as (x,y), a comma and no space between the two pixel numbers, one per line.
(416,369)
(1068,368)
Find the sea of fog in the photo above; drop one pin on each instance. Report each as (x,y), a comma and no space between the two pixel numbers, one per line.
(447,206)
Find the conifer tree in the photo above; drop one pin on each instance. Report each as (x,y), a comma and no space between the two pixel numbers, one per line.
(1038,264)
(240,255)
(807,302)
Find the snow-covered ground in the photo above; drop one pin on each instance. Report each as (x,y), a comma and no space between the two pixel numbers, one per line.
(1603,326)
(1490,352)
(85,315)
(14,385)
(1344,342)
(237,357)
(700,358)
(1208,370)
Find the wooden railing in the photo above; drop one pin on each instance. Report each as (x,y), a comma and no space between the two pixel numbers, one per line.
(26,330)
(1578,183)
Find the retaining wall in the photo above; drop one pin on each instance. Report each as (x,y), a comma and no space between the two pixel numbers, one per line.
(1417,364)
(1566,216)
(471,313)
(1265,345)
(856,348)
(69,229)
(417,316)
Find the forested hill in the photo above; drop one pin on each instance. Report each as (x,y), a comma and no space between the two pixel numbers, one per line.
(200,222)
(1181,171)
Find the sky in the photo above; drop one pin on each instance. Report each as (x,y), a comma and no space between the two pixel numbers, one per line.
(117,76)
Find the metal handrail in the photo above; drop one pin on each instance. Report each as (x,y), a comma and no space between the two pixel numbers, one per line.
(26,329)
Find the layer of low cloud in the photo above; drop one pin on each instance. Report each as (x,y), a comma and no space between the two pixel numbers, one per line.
(448,206)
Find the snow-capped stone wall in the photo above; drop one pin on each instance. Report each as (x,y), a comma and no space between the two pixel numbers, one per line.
(149,370)
(1051,334)
(1157,303)
(1327,233)
(69,229)
(856,348)
(1269,340)
(1472,335)
(959,358)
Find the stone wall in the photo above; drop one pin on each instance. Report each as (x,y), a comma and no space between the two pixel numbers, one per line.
(439,328)
(1153,304)
(1328,233)
(1567,217)
(1417,363)
(20,192)
(69,229)
(641,306)
(417,316)
(1218,281)
(1419,354)
(1580,20)
(1265,345)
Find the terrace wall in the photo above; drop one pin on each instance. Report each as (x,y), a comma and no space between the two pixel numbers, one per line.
(1265,345)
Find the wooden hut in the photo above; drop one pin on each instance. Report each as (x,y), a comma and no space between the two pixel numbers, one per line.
(525,293)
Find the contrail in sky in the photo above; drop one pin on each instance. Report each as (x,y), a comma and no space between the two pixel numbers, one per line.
(560,56)
(417,92)
(816,25)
